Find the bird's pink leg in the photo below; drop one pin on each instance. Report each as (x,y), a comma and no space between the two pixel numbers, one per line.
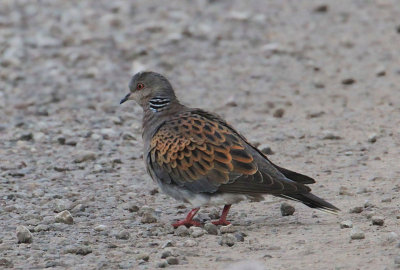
(222,220)
(188,220)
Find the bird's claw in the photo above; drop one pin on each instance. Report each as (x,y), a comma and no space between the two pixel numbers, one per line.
(220,222)
(187,223)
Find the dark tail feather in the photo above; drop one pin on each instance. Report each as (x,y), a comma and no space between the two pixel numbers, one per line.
(312,201)
(298,177)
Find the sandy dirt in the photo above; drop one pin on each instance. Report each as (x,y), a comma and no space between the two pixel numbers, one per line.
(316,81)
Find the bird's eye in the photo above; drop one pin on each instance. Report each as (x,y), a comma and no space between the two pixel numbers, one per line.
(139,86)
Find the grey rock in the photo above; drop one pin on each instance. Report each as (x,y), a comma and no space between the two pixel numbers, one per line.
(356,210)
(196,232)
(64,217)
(79,250)
(27,136)
(162,264)
(315,114)
(330,135)
(123,235)
(357,234)
(41,228)
(100,228)
(131,207)
(372,138)
(148,217)
(190,243)
(387,198)
(322,8)
(168,243)
(227,240)
(78,208)
(346,224)
(266,149)
(278,113)
(397,260)
(84,155)
(377,220)
(240,236)
(128,136)
(143,256)
(380,71)
(348,81)
(345,191)
(166,254)
(181,231)
(24,235)
(227,229)
(172,261)
(61,205)
(287,209)
(211,228)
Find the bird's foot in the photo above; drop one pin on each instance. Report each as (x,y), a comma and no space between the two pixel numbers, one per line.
(222,222)
(187,223)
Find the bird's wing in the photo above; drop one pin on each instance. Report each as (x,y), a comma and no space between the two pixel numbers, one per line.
(200,152)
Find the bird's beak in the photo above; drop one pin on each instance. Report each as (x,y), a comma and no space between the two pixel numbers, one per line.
(125,98)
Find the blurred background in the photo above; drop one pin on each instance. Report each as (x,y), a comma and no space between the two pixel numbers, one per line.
(316,84)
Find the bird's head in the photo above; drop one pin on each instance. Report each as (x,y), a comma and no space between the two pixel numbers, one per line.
(147,86)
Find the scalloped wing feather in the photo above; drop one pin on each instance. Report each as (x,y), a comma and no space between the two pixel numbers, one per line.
(200,152)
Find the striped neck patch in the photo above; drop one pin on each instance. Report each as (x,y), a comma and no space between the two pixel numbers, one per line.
(159,103)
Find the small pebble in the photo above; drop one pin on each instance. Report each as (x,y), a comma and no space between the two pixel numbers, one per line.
(345,191)
(26,136)
(227,240)
(346,224)
(162,264)
(64,217)
(348,81)
(380,71)
(357,234)
(181,231)
(356,210)
(211,228)
(279,113)
(330,135)
(190,243)
(79,250)
(41,228)
(172,261)
(372,138)
(24,235)
(168,243)
(123,235)
(100,228)
(323,8)
(266,149)
(166,254)
(148,218)
(239,236)
(196,232)
(84,155)
(287,209)
(377,220)
(227,229)
(143,256)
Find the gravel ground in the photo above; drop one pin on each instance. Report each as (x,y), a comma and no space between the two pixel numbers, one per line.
(316,82)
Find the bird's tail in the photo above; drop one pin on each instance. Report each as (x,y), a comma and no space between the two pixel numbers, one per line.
(312,201)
